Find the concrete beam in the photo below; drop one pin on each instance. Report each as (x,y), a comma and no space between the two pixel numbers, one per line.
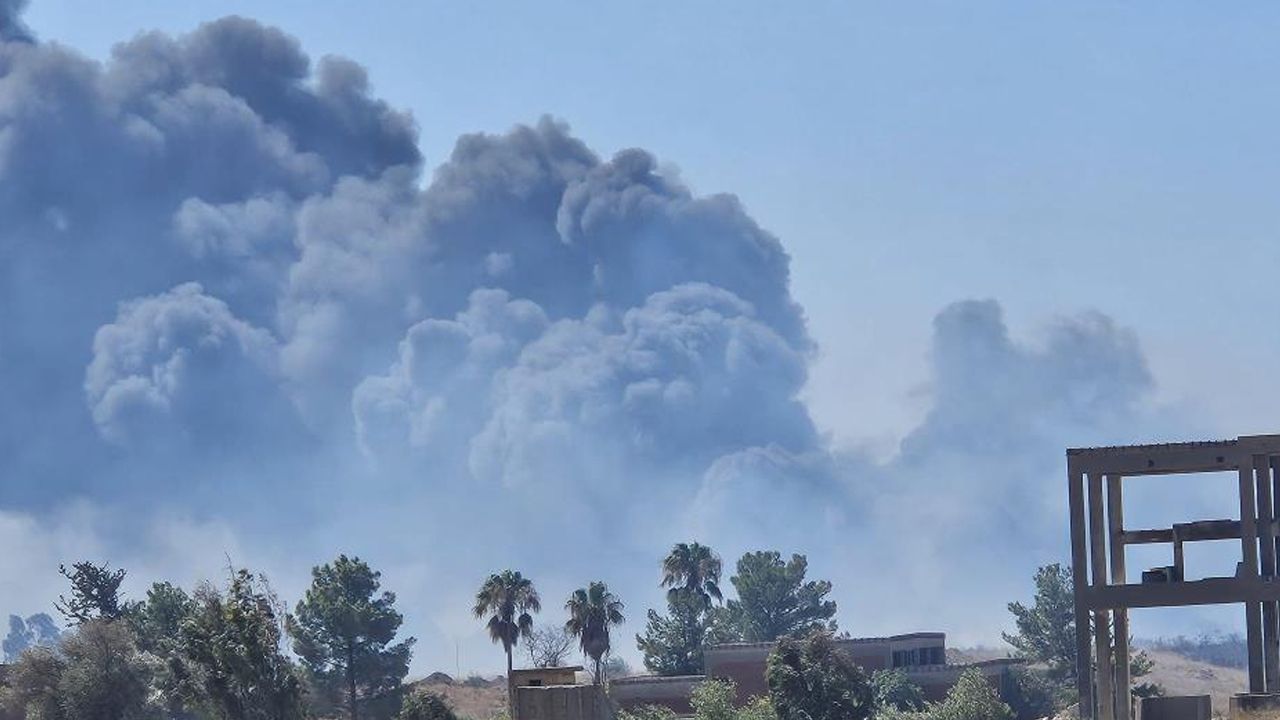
(1210,591)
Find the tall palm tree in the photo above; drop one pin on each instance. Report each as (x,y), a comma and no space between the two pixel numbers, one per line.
(592,611)
(692,569)
(509,599)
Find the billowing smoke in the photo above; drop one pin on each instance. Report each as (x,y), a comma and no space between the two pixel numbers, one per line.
(238,318)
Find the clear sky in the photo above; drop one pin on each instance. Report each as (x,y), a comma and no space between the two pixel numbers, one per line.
(1054,156)
(1106,172)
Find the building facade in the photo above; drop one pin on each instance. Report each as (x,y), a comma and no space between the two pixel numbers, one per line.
(922,656)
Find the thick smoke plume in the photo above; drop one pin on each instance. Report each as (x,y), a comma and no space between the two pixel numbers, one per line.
(238,316)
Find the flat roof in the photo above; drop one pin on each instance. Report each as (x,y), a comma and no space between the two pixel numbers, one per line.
(856,641)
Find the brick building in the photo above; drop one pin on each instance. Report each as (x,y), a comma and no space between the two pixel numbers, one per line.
(922,656)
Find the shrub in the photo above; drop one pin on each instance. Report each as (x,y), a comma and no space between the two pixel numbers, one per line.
(972,698)
(714,700)
(426,705)
(648,712)
(811,679)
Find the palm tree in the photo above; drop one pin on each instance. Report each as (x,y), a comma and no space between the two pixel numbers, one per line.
(509,599)
(592,611)
(692,569)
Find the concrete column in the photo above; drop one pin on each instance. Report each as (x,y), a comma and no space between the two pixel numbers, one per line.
(1115,526)
(1080,581)
(1101,617)
(1249,569)
(1267,557)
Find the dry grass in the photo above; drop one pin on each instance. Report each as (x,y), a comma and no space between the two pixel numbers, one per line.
(480,702)
(1181,676)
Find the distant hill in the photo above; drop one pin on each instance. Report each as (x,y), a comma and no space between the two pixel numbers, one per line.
(475,698)
(1205,666)
(1221,650)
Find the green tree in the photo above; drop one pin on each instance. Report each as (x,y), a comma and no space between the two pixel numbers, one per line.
(157,626)
(893,690)
(157,621)
(774,600)
(105,677)
(509,599)
(95,593)
(1030,694)
(343,631)
(231,644)
(672,644)
(1047,631)
(714,699)
(31,688)
(811,679)
(592,611)
(971,698)
(693,570)
(426,705)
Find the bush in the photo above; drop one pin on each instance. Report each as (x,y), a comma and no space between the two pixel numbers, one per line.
(648,712)
(893,690)
(811,679)
(714,700)
(1032,695)
(972,698)
(426,705)
(758,708)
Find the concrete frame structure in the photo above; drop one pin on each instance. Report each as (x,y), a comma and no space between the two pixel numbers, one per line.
(1099,538)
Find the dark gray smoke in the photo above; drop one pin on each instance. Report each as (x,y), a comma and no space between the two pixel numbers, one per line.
(12,28)
(236,316)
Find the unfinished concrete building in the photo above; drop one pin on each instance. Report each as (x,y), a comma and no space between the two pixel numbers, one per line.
(1103,592)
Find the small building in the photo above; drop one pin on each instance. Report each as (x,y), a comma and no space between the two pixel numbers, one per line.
(545,677)
(555,694)
(922,656)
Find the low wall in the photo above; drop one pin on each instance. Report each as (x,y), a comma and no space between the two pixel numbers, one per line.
(562,702)
(669,692)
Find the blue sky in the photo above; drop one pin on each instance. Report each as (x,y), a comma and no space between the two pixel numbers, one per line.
(1105,172)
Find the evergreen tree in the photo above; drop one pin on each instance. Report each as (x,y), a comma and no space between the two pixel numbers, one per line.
(95,593)
(231,645)
(672,644)
(343,631)
(774,600)
(811,679)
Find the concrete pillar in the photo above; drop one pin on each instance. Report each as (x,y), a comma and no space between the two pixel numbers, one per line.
(1080,580)
(1101,617)
(1267,558)
(1115,527)
(1249,569)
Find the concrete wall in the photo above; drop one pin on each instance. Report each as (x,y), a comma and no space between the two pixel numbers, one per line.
(563,702)
(669,692)
(533,677)
(1255,706)
(745,665)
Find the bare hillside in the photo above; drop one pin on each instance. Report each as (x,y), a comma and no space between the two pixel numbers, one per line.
(1181,676)
(470,699)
